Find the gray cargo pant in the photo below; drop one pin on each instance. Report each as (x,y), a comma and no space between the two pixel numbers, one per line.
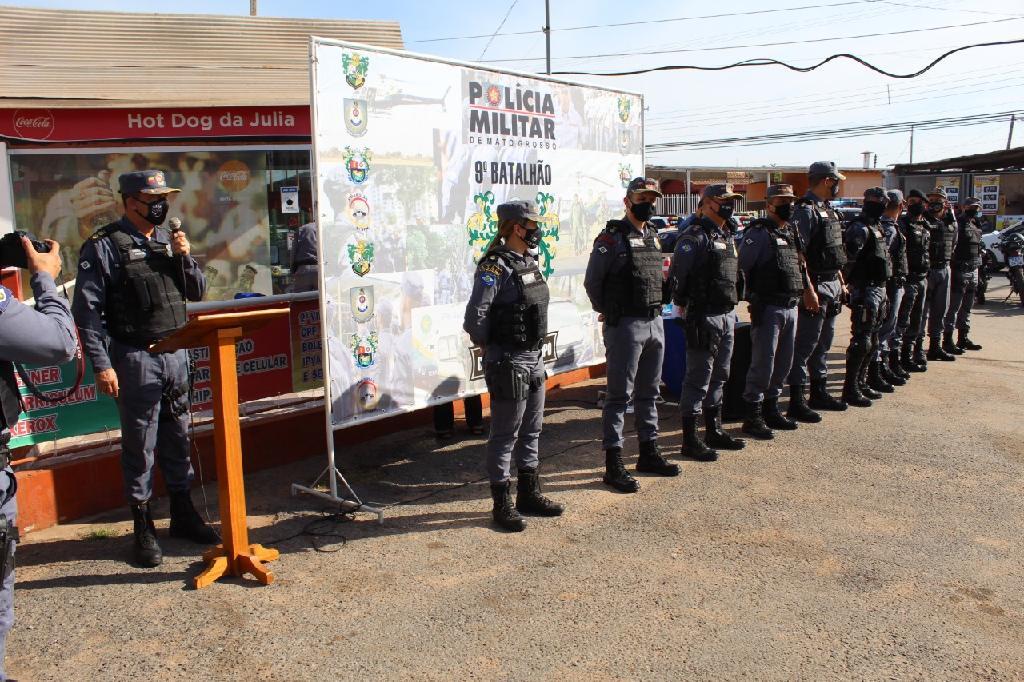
(887,336)
(9,508)
(937,303)
(771,354)
(911,312)
(814,335)
(634,350)
(516,424)
(961,301)
(154,408)
(707,369)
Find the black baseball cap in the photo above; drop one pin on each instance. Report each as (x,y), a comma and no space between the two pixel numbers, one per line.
(638,185)
(916,194)
(876,194)
(520,209)
(972,201)
(144,182)
(824,169)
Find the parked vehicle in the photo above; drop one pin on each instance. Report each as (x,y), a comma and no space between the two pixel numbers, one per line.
(990,244)
(1012,246)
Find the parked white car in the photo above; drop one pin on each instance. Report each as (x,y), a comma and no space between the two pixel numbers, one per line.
(990,242)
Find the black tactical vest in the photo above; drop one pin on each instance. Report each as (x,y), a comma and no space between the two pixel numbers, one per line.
(779,280)
(872,265)
(825,253)
(636,289)
(967,254)
(524,324)
(10,396)
(898,253)
(148,303)
(940,238)
(916,234)
(713,290)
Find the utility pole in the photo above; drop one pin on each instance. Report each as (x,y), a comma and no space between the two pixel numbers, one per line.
(547,35)
(911,144)
(252,7)
(1009,139)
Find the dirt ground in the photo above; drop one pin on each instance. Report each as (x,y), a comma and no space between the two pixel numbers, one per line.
(882,543)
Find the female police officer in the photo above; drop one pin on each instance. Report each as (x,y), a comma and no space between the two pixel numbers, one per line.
(507,316)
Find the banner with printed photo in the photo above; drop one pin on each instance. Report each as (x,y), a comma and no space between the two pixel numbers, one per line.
(66,196)
(986,188)
(413,155)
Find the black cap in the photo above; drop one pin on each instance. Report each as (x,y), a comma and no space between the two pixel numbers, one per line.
(825,169)
(719,192)
(144,182)
(972,201)
(916,193)
(519,209)
(637,185)
(895,196)
(875,194)
(938,192)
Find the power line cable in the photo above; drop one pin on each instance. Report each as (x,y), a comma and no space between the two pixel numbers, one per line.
(805,69)
(497,30)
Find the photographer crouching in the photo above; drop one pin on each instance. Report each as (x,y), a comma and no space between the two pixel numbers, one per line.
(43,335)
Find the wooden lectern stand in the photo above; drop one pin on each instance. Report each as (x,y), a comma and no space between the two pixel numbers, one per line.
(234,556)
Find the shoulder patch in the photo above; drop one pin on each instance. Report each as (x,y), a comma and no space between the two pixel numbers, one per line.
(5,298)
(686,246)
(84,264)
(490,268)
(607,238)
(488,279)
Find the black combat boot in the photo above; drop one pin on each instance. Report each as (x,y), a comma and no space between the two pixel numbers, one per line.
(865,387)
(798,409)
(504,512)
(651,461)
(876,380)
(693,447)
(935,351)
(919,356)
(529,499)
(147,549)
(949,346)
(615,473)
(715,436)
(851,383)
(820,398)
(187,523)
(754,423)
(774,419)
(964,342)
(896,365)
(886,371)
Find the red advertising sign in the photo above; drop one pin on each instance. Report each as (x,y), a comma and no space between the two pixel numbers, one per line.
(72,125)
(264,366)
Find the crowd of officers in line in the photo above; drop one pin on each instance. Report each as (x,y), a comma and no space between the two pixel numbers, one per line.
(905,267)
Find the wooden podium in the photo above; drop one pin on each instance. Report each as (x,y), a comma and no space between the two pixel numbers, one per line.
(234,556)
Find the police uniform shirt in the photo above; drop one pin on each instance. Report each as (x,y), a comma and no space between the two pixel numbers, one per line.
(99,268)
(493,284)
(692,253)
(756,249)
(305,246)
(609,256)
(805,215)
(855,237)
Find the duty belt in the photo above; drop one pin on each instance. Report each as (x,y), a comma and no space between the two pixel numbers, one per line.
(782,301)
(818,279)
(648,313)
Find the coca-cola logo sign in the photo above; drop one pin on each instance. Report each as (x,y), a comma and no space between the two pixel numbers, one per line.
(34,124)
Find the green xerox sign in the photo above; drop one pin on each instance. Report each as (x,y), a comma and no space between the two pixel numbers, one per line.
(84,411)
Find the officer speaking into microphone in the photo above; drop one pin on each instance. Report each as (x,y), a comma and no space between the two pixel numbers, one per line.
(625,285)
(133,279)
(507,316)
(43,335)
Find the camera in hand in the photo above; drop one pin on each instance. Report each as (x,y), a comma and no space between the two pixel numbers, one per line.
(12,252)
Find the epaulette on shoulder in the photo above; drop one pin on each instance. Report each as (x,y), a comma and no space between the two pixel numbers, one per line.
(101,233)
(805,201)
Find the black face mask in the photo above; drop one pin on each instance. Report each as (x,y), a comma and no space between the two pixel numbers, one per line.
(971,212)
(915,209)
(935,207)
(725,211)
(156,212)
(785,211)
(642,211)
(532,238)
(873,210)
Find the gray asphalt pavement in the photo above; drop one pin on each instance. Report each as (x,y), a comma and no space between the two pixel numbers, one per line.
(883,543)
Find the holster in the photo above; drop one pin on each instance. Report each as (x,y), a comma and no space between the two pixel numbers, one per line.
(8,539)
(507,381)
(698,336)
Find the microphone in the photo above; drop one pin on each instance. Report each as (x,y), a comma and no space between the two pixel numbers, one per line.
(175,224)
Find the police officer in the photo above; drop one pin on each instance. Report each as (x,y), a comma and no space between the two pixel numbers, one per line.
(133,279)
(305,269)
(942,234)
(625,285)
(772,264)
(507,316)
(43,335)
(889,340)
(914,228)
(966,261)
(821,233)
(704,275)
(868,269)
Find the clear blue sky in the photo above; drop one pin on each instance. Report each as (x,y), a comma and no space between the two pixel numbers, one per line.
(687,105)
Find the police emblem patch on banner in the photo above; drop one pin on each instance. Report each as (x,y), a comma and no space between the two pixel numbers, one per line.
(625,107)
(361,256)
(357,163)
(355,66)
(367,395)
(359,211)
(361,300)
(355,117)
(364,349)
